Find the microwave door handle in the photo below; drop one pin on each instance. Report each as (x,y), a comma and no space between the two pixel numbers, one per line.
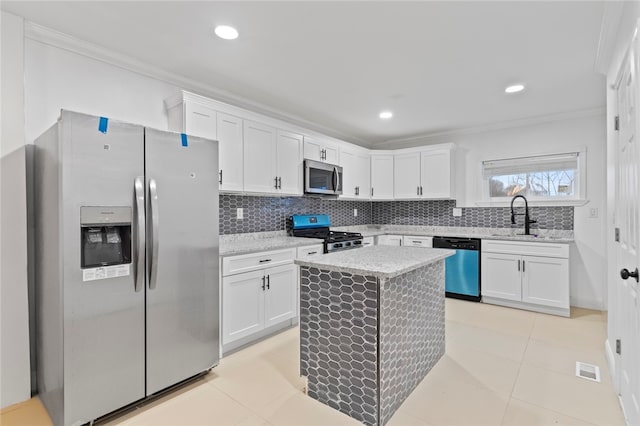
(335,179)
(155,227)
(139,262)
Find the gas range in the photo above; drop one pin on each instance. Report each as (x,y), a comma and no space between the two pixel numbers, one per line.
(317,226)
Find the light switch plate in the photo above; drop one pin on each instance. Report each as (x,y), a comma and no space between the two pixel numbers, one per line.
(239,213)
(457,212)
(593,212)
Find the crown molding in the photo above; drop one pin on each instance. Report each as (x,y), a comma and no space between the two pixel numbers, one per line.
(449,135)
(78,46)
(609,26)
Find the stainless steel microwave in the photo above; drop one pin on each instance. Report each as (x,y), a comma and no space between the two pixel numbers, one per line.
(322,178)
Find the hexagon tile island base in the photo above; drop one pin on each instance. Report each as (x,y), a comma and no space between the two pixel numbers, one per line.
(365,341)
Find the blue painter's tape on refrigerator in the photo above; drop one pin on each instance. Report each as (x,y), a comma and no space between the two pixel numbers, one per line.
(104,123)
(184,139)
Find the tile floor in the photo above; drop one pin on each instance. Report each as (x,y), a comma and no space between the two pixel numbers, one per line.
(502,367)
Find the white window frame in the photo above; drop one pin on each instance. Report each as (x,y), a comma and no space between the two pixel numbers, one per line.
(580,184)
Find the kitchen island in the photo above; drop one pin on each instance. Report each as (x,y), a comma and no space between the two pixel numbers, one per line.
(371,326)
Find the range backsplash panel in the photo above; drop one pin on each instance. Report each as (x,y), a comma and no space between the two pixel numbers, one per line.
(263,214)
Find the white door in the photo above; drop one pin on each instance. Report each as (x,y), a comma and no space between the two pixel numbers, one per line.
(230,156)
(501,276)
(545,281)
(242,305)
(435,173)
(200,120)
(406,175)
(363,176)
(627,251)
(330,154)
(280,298)
(382,177)
(349,174)
(313,149)
(259,157)
(289,162)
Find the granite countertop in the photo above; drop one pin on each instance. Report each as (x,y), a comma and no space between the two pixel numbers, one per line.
(235,244)
(511,234)
(383,262)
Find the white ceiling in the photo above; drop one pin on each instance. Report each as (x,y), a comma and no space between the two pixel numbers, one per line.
(439,66)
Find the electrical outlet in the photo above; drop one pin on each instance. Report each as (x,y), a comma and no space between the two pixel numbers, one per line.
(457,212)
(593,212)
(239,213)
(355,212)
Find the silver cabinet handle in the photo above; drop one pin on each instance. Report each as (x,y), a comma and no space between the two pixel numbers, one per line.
(263,283)
(372,191)
(417,190)
(280,182)
(220,180)
(264,260)
(155,240)
(268,282)
(276,184)
(139,194)
(311,252)
(518,265)
(523,266)
(421,190)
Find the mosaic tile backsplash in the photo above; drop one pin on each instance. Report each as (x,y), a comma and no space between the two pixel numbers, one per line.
(263,214)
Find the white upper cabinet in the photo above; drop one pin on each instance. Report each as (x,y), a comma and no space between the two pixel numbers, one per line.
(436,174)
(199,120)
(381,176)
(289,163)
(406,175)
(355,174)
(230,139)
(320,150)
(424,174)
(259,157)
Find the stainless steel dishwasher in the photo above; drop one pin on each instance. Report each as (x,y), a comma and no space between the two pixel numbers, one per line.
(462,270)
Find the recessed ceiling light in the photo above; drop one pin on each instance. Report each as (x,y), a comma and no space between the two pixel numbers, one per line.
(514,89)
(226,32)
(386,114)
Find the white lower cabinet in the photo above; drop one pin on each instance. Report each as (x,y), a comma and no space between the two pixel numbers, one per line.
(389,240)
(415,241)
(258,299)
(533,276)
(368,241)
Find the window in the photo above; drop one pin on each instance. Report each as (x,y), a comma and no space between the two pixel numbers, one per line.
(545,177)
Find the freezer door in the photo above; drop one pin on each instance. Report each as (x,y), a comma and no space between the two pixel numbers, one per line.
(103,313)
(182,257)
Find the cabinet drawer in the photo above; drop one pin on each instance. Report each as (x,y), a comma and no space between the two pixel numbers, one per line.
(526,248)
(251,262)
(310,251)
(411,241)
(368,241)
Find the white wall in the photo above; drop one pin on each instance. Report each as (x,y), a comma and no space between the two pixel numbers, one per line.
(14,350)
(59,79)
(588,255)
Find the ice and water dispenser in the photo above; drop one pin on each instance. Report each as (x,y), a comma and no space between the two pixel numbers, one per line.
(105,236)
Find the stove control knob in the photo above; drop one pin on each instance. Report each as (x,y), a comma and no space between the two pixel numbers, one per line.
(347,244)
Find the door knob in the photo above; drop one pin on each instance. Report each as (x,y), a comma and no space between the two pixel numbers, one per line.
(625,274)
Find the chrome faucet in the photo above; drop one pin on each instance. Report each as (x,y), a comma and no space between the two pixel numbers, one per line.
(527,220)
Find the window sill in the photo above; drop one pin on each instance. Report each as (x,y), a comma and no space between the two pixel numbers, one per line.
(534,203)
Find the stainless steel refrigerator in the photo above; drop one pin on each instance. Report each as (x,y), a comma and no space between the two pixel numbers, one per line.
(125,262)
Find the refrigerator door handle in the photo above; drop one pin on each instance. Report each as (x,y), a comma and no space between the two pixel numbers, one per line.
(153,267)
(139,194)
